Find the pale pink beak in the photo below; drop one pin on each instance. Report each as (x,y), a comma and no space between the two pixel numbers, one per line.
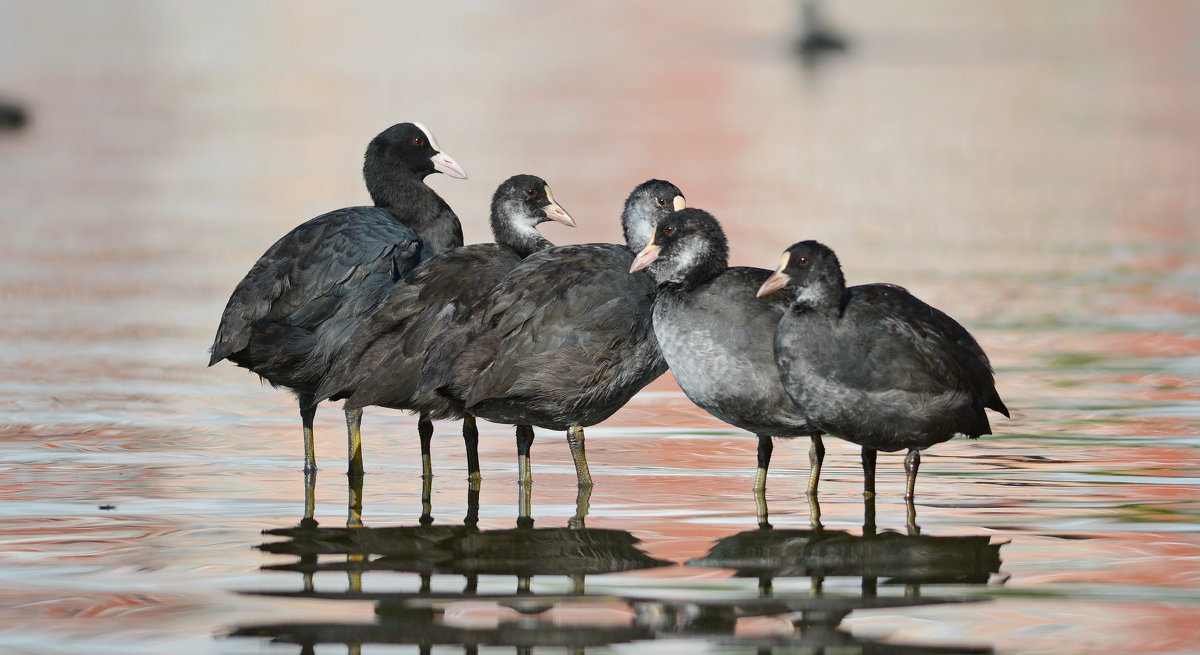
(646,257)
(442,163)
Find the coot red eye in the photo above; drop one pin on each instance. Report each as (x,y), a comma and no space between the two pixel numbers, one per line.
(530,192)
(418,141)
(803,261)
(669,230)
(662,202)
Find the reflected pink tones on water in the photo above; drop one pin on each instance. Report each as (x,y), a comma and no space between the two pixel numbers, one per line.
(1029,168)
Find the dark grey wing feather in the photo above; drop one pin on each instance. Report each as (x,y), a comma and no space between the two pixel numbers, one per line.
(918,348)
(565,337)
(376,357)
(302,297)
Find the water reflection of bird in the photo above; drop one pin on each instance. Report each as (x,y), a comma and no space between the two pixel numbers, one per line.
(295,308)
(562,342)
(716,336)
(874,365)
(381,361)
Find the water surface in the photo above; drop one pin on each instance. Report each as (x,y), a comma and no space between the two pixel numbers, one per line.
(1028,168)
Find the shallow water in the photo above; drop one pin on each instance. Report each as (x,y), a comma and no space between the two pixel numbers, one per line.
(1030,169)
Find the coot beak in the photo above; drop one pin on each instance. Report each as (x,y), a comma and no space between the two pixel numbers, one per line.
(679,203)
(442,163)
(778,279)
(646,257)
(555,212)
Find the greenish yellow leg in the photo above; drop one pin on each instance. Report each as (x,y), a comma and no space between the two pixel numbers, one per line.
(354,441)
(525,504)
(814,514)
(354,502)
(575,441)
(310,498)
(426,501)
(913,528)
(760,506)
(816,457)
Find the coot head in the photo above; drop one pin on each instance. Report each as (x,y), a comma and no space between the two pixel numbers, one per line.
(688,248)
(814,269)
(646,205)
(406,151)
(524,201)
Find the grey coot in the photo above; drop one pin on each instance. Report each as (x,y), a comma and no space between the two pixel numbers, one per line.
(381,361)
(874,365)
(716,335)
(562,342)
(295,308)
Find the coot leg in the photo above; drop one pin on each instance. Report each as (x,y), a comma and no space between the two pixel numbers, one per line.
(814,514)
(525,504)
(426,501)
(765,448)
(816,456)
(471,520)
(471,439)
(575,441)
(760,506)
(425,432)
(913,528)
(524,441)
(868,464)
(310,500)
(354,503)
(912,462)
(308,411)
(354,442)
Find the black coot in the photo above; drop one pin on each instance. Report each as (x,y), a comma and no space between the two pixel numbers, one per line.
(716,335)
(381,361)
(562,342)
(295,308)
(874,365)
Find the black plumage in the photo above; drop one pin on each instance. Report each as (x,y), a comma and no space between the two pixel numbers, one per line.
(300,301)
(562,342)
(380,364)
(716,335)
(875,365)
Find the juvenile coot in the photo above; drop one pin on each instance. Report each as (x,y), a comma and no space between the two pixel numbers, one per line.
(874,365)
(716,335)
(562,342)
(380,363)
(297,305)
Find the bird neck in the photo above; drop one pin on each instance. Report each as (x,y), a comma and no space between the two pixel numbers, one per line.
(514,226)
(825,295)
(638,225)
(395,190)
